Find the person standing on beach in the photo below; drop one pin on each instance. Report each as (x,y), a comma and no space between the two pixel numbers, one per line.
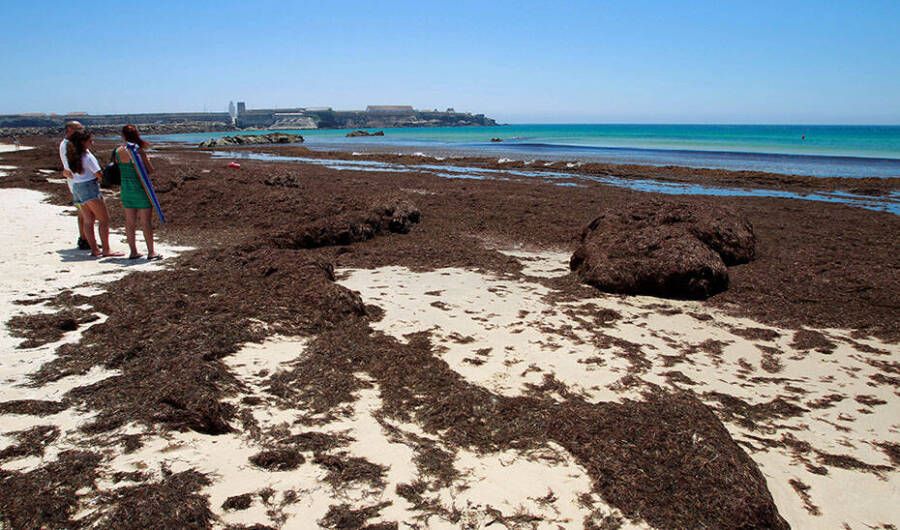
(86,175)
(71,127)
(133,195)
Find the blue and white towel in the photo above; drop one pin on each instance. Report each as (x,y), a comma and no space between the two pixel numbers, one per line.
(134,149)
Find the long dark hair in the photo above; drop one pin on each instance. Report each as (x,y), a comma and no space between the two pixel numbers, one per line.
(131,135)
(76,149)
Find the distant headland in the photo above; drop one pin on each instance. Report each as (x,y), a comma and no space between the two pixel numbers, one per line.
(240,117)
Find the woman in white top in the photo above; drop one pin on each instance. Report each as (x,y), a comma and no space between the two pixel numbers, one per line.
(71,127)
(86,175)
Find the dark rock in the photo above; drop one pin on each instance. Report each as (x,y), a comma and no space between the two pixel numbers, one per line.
(663,249)
(495,139)
(253,139)
(355,134)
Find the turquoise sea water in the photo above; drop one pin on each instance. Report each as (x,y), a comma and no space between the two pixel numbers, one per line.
(817,150)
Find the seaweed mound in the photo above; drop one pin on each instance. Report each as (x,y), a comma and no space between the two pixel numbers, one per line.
(668,460)
(663,249)
(195,315)
(396,216)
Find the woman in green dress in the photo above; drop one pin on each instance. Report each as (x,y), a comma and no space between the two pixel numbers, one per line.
(134,198)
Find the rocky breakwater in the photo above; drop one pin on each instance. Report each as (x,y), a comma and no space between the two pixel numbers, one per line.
(355,134)
(252,139)
(663,249)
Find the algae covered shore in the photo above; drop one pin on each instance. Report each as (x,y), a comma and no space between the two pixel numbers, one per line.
(329,347)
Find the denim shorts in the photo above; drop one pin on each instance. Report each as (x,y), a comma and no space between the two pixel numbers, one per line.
(83,192)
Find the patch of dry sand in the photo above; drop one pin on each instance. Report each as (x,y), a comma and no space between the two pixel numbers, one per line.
(506,335)
(36,263)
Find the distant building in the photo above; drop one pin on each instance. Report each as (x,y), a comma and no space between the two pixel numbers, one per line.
(241,108)
(293,120)
(450,110)
(319,109)
(231,110)
(390,109)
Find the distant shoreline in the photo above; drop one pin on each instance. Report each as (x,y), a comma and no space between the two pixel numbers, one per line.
(864,157)
(242,118)
(820,151)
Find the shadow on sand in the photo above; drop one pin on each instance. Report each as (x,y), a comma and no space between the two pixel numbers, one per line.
(75,255)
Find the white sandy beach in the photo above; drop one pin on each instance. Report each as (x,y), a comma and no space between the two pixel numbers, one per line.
(502,334)
(509,320)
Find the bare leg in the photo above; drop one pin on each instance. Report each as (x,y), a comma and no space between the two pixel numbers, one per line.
(131,216)
(88,219)
(98,208)
(147,228)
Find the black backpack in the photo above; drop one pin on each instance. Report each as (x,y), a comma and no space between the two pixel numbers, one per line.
(111,175)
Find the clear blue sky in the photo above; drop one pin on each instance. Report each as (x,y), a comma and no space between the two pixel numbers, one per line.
(519,61)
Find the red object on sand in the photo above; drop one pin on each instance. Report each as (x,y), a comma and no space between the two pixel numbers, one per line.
(234,165)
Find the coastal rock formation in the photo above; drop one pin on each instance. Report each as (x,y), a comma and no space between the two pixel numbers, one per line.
(253,139)
(361,132)
(663,249)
